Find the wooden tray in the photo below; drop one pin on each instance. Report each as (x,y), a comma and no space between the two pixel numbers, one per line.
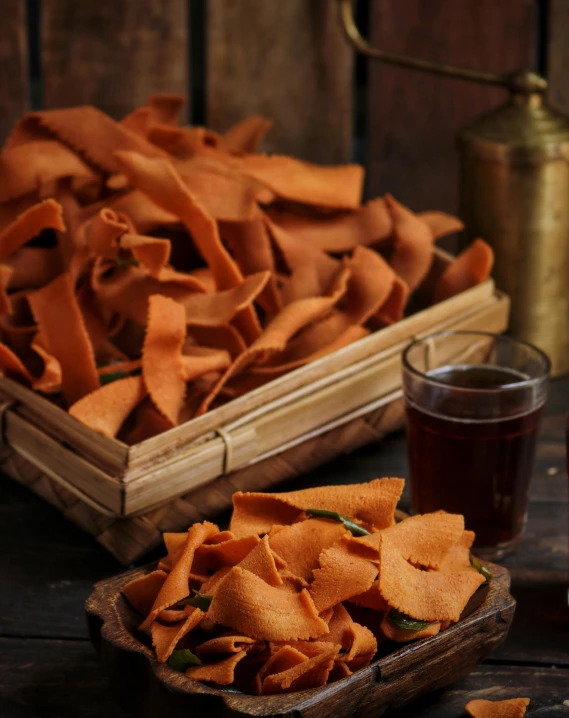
(153,690)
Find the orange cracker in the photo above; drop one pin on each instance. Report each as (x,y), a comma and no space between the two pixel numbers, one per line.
(343,573)
(471,267)
(337,187)
(424,540)
(105,409)
(59,318)
(103,231)
(162,366)
(246,135)
(32,267)
(261,562)
(424,595)
(225,644)
(166,637)
(311,673)
(226,553)
(339,232)
(12,365)
(175,587)
(511,708)
(141,593)
(399,635)
(441,223)
(300,545)
(413,248)
(247,603)
(358,642)
(221,672)
(392,309)
(46,214)
(153,253)
(371,598)
(49,381)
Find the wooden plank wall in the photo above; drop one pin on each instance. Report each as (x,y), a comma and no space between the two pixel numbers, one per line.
(289,60)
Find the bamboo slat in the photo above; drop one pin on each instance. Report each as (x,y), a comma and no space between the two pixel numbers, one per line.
(113,54)
(285,60)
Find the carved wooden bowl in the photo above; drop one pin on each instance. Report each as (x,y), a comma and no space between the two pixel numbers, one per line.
(150,689)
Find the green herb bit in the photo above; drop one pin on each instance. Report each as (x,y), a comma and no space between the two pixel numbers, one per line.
(481,569)
(108,378)
(406,623)
(183,659)
(200,600)
(355,529)
(124,262)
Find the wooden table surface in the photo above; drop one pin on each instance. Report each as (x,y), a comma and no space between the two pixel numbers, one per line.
(48,668)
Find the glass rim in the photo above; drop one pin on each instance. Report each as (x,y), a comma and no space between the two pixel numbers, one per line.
(514,386)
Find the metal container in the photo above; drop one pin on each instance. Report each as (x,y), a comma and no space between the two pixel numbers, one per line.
(514,193)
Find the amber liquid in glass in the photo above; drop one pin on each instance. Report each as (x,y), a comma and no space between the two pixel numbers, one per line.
(481,469)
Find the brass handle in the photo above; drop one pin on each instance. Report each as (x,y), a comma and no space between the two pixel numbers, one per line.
(521,82)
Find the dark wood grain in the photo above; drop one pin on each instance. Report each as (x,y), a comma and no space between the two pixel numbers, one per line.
(113,54)
(14,79)
(558,54)
(411,670)
(284,60)
(413,117)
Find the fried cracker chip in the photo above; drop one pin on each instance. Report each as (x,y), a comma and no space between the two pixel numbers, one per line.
(424,595)
(12,365)
(165,638)
(222,672)
(399,635)
(343,232)
(373,503)
(45,215)
(424,540)
(371,598)
(310,673)
(441,223)
(246,135)
(300,545)
(262,562)
(175,587)
(413,248)
(511,708)
(63,330)
(162,367)
(105,409)
(141,593)
(225,644)
(227,553)
(343,573)
(247,603)
(471,267)
(335,187)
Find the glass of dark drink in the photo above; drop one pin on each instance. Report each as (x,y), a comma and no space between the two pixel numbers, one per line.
(474,403)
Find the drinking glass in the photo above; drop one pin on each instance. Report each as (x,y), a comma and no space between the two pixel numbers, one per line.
(474,402)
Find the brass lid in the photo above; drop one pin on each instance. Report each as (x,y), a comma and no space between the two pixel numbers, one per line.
(525,128)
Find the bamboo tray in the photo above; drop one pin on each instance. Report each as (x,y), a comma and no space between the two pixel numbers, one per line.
(126,496)
(150,689)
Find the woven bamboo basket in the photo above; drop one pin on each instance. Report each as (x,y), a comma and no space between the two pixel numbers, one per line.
(126,496)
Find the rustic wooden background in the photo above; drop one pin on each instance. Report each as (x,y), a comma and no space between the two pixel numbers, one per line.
(288,60)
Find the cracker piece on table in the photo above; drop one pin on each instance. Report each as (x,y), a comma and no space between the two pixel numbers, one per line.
(175,587)
(343,572)
(341,231)
(61,323)
(106,408)
(413,246)
(45,215)
(511,708)
(424,595)
(471,267)
(141,593)
(245,602)
(300,545)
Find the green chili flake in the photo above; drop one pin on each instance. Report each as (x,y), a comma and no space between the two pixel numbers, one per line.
(200,600)
(183,659)
(355,529)
(108,378)
(406,623)
(481,569)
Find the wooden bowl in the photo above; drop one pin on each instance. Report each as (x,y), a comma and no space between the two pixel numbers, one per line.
(150,689)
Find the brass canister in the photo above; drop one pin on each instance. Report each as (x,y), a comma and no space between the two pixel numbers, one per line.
(514,193)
